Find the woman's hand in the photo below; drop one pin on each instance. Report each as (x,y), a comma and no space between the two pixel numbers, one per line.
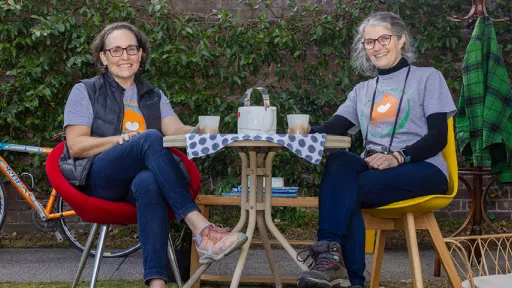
(198,130)
(126,137)
(381,161)
(205,130)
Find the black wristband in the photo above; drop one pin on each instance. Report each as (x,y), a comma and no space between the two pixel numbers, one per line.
(405,155)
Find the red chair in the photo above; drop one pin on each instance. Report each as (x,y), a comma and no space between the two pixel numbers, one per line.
(105,213)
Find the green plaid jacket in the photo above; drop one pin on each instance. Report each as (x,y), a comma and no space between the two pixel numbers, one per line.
(484,119)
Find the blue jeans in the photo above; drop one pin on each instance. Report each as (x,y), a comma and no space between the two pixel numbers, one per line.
(348,185)
(144,173)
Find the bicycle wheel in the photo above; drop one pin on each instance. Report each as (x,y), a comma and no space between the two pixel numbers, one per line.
(3,204)
(122,240)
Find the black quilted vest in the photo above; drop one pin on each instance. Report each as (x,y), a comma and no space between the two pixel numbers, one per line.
(106,97)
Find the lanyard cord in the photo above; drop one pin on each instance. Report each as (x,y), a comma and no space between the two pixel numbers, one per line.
(397,112)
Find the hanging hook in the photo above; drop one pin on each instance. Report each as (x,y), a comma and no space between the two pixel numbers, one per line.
(477,10)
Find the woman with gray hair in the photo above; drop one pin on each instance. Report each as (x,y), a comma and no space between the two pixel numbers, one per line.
(402,114)
(116,121)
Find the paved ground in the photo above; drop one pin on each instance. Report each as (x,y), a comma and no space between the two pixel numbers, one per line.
(45,265)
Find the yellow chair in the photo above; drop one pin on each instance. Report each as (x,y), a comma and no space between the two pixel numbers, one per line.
(413,214)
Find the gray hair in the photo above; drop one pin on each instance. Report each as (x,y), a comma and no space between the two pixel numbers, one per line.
(360,59)
(98,45)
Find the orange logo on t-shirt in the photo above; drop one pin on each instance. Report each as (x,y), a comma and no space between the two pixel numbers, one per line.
(133,121)
(384,111)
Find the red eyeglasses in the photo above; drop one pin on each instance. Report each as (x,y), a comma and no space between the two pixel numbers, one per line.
(383,40)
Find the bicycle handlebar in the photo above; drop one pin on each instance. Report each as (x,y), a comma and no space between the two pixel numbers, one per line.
(58,135)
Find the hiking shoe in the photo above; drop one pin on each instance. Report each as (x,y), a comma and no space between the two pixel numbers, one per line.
(327,269)
(218,242)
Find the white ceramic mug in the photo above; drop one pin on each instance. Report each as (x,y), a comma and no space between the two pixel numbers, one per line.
(298,123)
(209,124)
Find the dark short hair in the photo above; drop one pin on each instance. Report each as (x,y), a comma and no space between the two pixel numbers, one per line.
(98,45)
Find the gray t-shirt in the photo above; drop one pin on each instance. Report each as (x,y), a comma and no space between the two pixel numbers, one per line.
(426,92)
(78,109)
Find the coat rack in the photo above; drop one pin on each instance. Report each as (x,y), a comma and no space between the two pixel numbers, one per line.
(477,10)
(478,198)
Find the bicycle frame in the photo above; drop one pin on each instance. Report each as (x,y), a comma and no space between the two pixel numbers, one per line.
(44,212)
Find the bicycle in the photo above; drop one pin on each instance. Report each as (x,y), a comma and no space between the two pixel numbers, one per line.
(61,219)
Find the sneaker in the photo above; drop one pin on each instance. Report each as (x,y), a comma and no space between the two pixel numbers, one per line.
(218,242)
(327,269)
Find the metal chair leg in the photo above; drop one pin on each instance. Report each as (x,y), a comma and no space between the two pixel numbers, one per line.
(174,262)
(99,254)
(85,254)
(193,278)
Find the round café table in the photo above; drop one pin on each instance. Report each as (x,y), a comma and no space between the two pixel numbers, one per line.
(256,206)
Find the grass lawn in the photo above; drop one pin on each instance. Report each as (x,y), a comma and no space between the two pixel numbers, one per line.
(139,284)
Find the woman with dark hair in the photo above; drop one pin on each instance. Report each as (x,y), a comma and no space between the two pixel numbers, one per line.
(117,121)
(402,114)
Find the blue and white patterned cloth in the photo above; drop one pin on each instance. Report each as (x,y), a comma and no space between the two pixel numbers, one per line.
(307,146)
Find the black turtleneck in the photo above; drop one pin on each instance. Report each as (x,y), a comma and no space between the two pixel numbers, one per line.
(426,147)
(402,63)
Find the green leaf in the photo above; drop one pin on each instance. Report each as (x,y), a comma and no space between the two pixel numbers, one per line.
(237,80)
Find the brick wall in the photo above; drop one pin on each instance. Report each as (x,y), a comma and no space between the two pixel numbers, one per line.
(18,212)
(498,205)
(243,10)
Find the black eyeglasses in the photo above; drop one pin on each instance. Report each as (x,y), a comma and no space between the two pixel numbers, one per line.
(383,40)
(118,51)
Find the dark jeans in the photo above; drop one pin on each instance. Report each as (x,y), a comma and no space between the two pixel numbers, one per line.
(143,172)
(349,185)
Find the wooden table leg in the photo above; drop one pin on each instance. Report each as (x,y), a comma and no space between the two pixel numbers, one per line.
(268,215)
(268,249)
(243,198)
(194,257)
(260,218)
(252,218)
